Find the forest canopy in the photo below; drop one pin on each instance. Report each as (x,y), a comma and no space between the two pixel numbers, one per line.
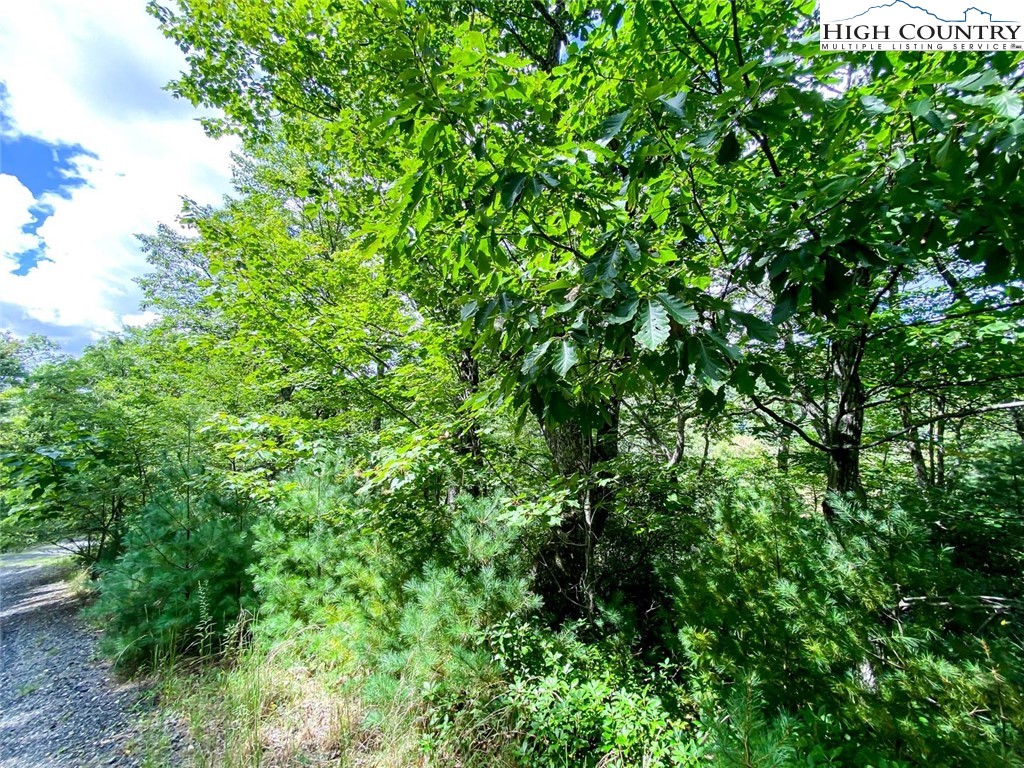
(582,383)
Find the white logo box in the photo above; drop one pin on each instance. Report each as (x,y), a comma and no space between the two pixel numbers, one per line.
(922,25)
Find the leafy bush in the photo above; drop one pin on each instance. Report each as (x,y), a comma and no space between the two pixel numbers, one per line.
(566,700)
(981,521)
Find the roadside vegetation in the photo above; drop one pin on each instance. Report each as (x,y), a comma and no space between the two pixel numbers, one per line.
(567,384)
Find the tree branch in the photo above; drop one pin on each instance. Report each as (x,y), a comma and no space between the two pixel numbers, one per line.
(944,318)
(792,425)
(944,417)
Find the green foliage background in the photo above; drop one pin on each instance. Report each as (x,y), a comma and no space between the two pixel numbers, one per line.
(573,383)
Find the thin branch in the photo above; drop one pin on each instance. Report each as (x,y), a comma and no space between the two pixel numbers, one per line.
(944,318)
(932,386)
(864,335)
(703,214)
(944,417)
(539,60)
(950,279)
(697,38)
(792,425)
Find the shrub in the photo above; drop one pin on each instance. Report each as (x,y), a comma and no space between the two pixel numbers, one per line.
(851,618)
(182,583)
(569,701)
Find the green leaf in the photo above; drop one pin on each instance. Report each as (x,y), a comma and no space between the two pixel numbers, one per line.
(533,357)
(742,380)
(976,82)
(615,15)
(603,267)
(652,325)
(730,150)
(935,121)
(640,22)
(997,263)
(706,139)
(709,369)
(785,305)
(1006,104)
(773,378)
(611,126)
(723,343)
(920,107)
(429,137)
(757,328)
(674,105)
(680,312)
(874,105)
(484,315)
(623,313)
(711,401)
(565,358)
(945,151)
(511,189)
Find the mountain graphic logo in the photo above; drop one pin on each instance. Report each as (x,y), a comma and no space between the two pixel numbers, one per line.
(985,17)
(920,25)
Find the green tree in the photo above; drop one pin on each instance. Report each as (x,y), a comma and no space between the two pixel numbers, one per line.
(594,181)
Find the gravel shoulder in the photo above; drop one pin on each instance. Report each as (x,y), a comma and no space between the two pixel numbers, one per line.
(59,704)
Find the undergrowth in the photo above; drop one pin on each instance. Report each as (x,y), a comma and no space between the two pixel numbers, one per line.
(759,634)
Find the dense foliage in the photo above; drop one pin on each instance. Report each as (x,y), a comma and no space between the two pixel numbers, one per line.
(574,383)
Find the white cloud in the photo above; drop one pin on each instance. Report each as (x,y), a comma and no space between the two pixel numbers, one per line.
(91,74)
(16,202)
(140,319)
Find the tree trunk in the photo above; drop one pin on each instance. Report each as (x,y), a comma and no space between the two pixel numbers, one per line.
(847,424)
(1018,422)
(467,441)
(843,477)
(680,447)
(914,443)
(707,449)
(566,573)
(785,439)
(782,457)
(606,448)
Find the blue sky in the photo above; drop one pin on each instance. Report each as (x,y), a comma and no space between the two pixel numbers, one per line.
(45,170)
(92,151)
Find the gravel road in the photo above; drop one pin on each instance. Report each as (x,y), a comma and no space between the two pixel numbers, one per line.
(59,704)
